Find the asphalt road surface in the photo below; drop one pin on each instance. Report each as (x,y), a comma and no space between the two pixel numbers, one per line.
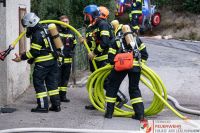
(176,62)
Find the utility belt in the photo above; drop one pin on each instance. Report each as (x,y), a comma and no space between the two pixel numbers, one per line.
(65,60)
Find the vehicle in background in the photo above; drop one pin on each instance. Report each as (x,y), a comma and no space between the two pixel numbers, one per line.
(150,16)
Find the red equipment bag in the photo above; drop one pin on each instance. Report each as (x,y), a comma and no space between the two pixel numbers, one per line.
(123,61)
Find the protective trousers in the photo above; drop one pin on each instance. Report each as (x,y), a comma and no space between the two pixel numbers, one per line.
(100,64)
(63,74)
(46,75)
(135,95)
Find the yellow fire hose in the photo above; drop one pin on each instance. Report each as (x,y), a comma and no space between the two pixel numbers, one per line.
(13,44)
(148,78)
(96,80)
(4,53)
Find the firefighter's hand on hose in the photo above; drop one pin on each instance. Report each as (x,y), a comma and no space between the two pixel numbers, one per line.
(81,39)
(91,55)
(17,58)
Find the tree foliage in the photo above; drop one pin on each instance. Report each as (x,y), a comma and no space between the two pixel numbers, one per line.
(192,6)
(51,9)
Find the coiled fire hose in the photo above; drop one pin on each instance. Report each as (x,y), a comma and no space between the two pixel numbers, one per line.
(96,80)
(148,78)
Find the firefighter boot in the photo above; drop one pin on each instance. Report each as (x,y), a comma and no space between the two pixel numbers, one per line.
(63,97)
(90,107)
(42,106)
(139,111)
(55,101)
(109,110)
(39,110)
(55,108)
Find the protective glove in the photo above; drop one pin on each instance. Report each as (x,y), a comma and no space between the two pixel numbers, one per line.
(17,58)
(81,39)
(30,61)
(60,52)
(91,55)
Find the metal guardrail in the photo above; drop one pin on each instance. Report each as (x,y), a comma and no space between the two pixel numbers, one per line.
(80,58)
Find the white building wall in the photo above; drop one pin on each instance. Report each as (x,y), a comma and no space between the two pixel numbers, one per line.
(17,74)
(3,65)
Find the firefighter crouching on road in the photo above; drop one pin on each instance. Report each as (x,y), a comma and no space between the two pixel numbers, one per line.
(136,12)
(116,77)
(69,41)
(45,70)
(100,34)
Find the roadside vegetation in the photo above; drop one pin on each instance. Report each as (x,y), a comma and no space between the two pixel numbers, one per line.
(180,18)
(180,25)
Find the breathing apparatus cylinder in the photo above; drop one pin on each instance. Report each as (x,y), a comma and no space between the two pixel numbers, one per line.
(128,35)
(55,35)
(115,24)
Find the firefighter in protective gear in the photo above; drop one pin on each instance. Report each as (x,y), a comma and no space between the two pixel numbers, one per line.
(99,35)
(136,12)
(121,98)
(120,46)
(45,71)
(91,12)
(91,36)
(102,34)
(69,42)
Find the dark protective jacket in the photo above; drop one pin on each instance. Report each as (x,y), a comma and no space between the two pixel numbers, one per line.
(136,7)
(117,48)
(69,41)
(40,51)
(89,37)
(104,37)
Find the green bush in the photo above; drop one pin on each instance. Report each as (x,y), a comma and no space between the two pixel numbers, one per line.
(192,6)
(51,9)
